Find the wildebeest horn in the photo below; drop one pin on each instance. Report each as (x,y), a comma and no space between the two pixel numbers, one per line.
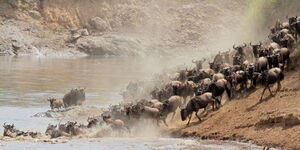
(4,123)
(233,46)
(250,43)
(245,44)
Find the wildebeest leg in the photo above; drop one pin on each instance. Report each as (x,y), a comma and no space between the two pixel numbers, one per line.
(263,92)
(173,115)
(278,86)
(184,100)
(190,117)
(270,91)
(197,115)
(157,122)
(164,120)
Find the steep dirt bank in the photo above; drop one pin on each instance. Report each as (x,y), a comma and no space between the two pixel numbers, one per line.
(273,122)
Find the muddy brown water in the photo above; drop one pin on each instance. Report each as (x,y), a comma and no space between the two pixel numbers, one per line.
(26,83)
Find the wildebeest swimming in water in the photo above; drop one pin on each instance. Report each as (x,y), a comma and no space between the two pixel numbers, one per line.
(10,131)
(55,133)
(196,103)
(55,103)
(74,97)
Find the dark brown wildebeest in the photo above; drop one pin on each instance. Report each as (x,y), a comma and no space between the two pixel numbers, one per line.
(10,131)
(239,78)
(73,129)
(218,88)
(74,97)
(55,133)
(270,77)
(195,104)
(255,49)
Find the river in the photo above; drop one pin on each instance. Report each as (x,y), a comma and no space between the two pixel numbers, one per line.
(26,83)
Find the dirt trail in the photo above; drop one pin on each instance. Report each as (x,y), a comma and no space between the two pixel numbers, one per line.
(274,122)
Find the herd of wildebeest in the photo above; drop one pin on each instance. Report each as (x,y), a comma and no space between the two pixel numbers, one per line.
(234,72)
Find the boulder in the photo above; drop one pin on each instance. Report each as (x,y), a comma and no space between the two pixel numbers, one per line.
(34,14)
(13,3)
(100,24)
(110,45)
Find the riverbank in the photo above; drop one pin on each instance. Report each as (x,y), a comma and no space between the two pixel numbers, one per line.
(274,122)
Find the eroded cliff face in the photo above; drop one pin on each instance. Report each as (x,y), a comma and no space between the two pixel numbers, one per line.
(151,26)
(146,26)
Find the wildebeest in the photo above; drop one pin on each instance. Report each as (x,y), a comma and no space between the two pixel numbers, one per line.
(154,114)
(171,105)
(284,57)
(261,64)
(217,89)
(10,131)
(115,123)
(93,122)
(295,26)
(199,63)
(217,77)
(196,103)
(74,97)
(55,103)
(73,129)
(239,78)
(270,77)
(185,90)
(255,49)
(55,133)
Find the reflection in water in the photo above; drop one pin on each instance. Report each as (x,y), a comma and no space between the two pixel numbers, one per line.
(28,81)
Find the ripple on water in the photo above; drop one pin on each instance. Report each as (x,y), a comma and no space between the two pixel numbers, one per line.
(129,144)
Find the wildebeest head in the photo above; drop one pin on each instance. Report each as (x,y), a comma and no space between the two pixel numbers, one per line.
(256,48)
(292,19)
(92,122)
(50,129)
(8,126)
(51,100)
(183,114)
(62,127)
(70,126)
(239,48)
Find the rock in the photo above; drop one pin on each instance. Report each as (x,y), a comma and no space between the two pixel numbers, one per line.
(35,14)
(13,3)
(112,45)
(100,24)
(16,45)
(84,32)
(74,38)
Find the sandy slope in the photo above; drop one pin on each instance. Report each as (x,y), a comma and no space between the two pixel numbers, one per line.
(273,122)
